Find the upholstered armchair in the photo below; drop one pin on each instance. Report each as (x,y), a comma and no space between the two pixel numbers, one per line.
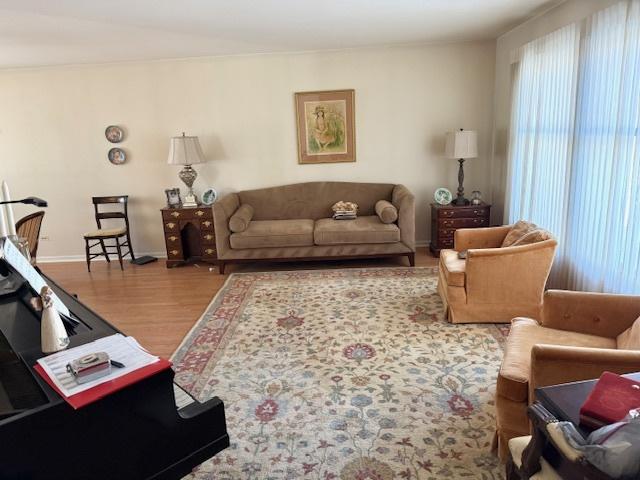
(579,336)
(493,284)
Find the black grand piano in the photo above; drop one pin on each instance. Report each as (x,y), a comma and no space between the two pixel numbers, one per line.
(149,430)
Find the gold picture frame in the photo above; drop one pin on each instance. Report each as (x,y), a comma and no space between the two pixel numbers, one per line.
(326,126)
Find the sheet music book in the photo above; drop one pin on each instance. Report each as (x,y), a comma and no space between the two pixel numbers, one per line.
(13,256)
(125,350)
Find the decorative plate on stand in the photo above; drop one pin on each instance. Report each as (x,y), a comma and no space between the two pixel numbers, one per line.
(209,196)
(443,196)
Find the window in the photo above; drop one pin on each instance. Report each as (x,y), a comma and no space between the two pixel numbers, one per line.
(574,158)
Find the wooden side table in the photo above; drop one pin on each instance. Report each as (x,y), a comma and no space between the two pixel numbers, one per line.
(446,219)
(189,235)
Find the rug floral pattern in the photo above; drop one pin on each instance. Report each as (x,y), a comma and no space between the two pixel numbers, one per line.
(344,375)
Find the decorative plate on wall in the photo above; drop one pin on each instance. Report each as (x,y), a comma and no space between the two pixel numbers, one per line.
(443,196)
(117,156)
(209,196)
(114,134)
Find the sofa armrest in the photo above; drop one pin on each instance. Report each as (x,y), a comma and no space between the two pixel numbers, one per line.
(510,274)
(223,209)
(601,314)
(554,364)
(488,237)
(404,201)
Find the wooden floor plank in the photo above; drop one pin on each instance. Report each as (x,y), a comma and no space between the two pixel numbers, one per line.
(158,306)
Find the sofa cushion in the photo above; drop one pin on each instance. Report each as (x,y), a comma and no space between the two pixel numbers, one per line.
(386,211)
(513,380)
(519,229)
(630,338)
(367,229)
(453,268)
(274,233)
(239,221)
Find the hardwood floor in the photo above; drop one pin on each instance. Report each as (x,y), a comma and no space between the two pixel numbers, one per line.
(158,306)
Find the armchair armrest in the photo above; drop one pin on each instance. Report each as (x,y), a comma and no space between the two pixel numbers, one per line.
(404,201)
(601,314)
(223,209)
(510,274)
(554,364)
(488,237)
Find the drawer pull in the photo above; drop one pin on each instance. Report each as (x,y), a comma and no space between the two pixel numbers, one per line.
(175,214)
(174,252)
(208,237)
(209,251)
(199,213)
(207,223)
(172,238)
(170,225)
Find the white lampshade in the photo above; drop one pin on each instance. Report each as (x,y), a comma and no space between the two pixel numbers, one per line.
(462,144)
(185,151)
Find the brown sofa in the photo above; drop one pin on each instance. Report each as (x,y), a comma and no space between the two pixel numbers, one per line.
(580,335)
(493,284)
(293,222)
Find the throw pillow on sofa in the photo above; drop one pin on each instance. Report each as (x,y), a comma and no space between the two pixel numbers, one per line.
(239,221)
(519,230)
(386,211)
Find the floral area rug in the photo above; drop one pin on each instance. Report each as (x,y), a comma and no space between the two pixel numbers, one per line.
(344,374)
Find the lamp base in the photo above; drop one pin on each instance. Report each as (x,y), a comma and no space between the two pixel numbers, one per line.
(460,202)
(190,200)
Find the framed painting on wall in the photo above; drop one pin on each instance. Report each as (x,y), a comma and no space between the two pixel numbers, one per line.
(326,126)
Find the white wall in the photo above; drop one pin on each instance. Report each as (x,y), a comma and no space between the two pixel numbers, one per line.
(564,14)
(52,123)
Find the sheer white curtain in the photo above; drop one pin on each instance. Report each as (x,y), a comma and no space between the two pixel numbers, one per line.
(575,165)
(542,127)
(603,244)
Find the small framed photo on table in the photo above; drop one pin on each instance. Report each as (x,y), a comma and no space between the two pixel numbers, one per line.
(173,197)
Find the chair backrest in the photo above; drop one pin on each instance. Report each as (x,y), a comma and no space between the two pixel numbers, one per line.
(114,199)
(29,227)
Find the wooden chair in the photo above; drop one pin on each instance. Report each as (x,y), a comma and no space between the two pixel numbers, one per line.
(29,228)
(102,234)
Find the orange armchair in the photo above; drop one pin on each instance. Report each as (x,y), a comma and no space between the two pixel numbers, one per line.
(579,336)
(493,284)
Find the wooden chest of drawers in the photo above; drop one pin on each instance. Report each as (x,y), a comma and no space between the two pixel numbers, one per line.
(446,219)
(189,235)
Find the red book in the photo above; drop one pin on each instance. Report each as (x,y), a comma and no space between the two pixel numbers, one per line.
(610,400)
(81,399)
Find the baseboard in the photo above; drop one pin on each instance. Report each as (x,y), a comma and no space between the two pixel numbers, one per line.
(82,258)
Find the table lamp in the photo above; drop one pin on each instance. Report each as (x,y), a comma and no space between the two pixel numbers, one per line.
(186,151)
(461,144)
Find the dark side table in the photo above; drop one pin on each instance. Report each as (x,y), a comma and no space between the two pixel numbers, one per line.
(446,219)
(189,235)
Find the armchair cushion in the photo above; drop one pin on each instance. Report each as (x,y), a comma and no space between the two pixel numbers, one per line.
(534,236)
(513,380)
(453,268)
(518,230)
(630,338)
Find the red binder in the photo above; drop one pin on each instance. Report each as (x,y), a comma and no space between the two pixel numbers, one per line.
(81,399)
(610,400)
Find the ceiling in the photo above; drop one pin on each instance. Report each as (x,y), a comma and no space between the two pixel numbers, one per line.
(58,32)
